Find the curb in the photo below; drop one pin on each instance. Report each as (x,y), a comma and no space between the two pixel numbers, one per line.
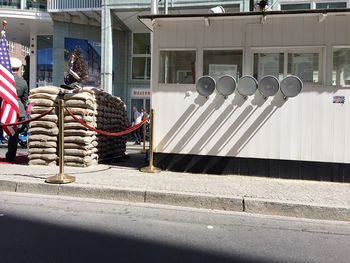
(228,203)
(294,209)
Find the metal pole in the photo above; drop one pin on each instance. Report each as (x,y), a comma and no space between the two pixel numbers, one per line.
(166,10)
(61,178)
(151,168)
(154,7)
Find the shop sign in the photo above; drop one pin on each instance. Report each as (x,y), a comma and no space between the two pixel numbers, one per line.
(140,93)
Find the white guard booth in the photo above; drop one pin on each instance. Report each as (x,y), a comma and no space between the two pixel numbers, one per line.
(249,128)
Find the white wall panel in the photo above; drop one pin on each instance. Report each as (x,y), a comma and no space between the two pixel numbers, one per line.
(308,127)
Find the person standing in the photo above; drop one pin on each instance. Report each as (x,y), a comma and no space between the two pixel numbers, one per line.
(137,120)
(22,94)
(145,116)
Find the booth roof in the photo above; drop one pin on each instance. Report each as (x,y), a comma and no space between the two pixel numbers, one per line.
(147,19)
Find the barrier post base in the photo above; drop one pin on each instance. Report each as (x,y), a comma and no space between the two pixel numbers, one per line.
(60,179)
(150,169)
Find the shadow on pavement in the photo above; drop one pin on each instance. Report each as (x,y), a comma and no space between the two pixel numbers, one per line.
(133,160)
(23,240)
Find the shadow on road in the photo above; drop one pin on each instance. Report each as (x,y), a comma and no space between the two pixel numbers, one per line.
(23,240)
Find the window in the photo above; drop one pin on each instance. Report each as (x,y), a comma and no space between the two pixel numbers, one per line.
(25,51)
(305,66)
(177,67)
(11,4)
(141,56)
(295,6)
(304,63)
(268,64)
(331,5)
(36,5)
(341,67)
(44,60)
(217,63)
(12,46)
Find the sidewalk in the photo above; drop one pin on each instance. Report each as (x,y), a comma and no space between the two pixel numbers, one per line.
(122,181)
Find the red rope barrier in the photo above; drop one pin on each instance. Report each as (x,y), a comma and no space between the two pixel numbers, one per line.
(121,133)
(25,121)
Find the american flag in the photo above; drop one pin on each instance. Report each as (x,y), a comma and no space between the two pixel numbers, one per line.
(9,111)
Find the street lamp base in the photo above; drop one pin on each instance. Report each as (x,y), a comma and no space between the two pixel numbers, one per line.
(60,179)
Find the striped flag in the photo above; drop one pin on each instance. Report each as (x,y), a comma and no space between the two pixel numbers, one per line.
(9,111)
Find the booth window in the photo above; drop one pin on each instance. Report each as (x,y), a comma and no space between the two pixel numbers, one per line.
(341,67)
(141,56)
(305,66)
(177,67)
(217,63)
(268,64)
(295,6)
(330,5)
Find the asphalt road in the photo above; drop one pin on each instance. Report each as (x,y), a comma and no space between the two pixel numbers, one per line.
(36,228)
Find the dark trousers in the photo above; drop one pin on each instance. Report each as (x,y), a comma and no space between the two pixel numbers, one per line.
(13,143)
(137,135)
(1,135)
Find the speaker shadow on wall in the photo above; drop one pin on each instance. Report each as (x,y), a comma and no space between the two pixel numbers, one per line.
(212,130)
(178,126)
(259,122)
(199,122)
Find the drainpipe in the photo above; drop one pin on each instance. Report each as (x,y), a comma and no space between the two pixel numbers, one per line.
(154,7)
(251,5)
(166,11)
(106,49)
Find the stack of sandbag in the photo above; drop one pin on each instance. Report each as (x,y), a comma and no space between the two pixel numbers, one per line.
(44,131)
(111,117)
(100,110)
(80,144)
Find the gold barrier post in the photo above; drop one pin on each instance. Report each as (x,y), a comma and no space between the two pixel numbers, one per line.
(151,168)
(144,139)
(61,178)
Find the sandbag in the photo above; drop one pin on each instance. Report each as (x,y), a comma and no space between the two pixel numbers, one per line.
(45,131)
(79,96)
(51,150)
(46,89)
(77,152)
(42,162)
(79,139)
(42,138)
(42,102)
(83,112)
(77,159)
(52,97)
(77,125)
(42,124)
(48,117)
(88,104)
(39,144)
(79,133)
(69,118)
(46,157)
(41,109)
(71,145)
